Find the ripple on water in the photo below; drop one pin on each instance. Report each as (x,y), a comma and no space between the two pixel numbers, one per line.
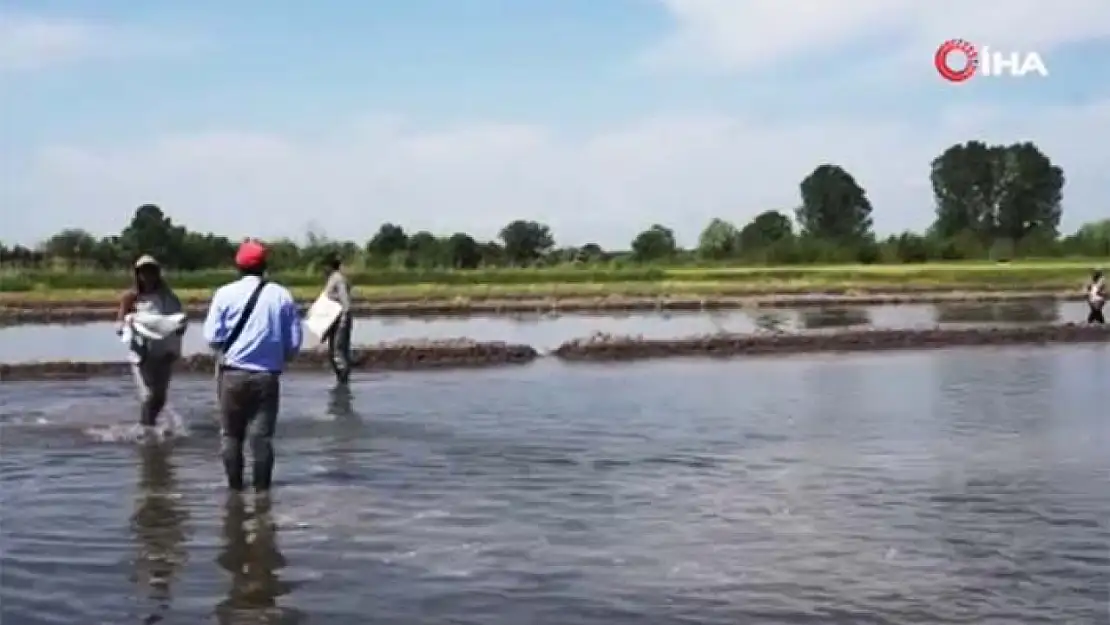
(947,487)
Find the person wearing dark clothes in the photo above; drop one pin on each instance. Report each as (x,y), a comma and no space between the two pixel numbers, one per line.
(338,337)
(1096,298)
(255,328)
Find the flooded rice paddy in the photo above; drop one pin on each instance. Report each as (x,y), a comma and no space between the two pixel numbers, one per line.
(96,342)
(957,486)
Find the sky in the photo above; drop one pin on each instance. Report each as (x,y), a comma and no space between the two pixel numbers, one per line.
(597,117)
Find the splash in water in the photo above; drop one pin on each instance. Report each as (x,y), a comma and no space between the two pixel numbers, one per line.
(171,426)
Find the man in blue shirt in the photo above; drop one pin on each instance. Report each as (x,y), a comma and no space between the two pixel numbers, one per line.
(253,344)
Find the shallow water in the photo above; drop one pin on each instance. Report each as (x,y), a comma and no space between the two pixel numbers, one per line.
(97,342)
(931,488)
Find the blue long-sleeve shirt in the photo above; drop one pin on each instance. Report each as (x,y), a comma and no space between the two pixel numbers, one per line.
(272,335)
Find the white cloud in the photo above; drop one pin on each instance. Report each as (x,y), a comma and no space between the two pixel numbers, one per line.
(679,171)
(31,42)
(737,35)
(603,186)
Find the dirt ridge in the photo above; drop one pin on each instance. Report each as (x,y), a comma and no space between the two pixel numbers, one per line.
(52,313)
(464,353)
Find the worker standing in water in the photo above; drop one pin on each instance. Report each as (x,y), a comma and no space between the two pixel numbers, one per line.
(255,328)
(152,360)
(338,337)
(1096,298)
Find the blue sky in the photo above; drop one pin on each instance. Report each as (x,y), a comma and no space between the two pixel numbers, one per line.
(598,116)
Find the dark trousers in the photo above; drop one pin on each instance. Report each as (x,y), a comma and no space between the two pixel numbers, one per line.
(248,398)
(339,347)
(1096,315)
(152,377)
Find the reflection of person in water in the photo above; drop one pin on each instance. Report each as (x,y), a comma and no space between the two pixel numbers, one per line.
(158,526)
(252,558)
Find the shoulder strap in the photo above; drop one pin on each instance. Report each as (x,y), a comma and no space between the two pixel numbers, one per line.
(242,322)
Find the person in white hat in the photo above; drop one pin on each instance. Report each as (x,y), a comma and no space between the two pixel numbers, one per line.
(152,355)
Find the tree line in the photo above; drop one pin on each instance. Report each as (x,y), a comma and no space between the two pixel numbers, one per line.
(991,201)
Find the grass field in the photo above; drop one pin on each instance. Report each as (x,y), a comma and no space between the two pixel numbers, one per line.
(61,286)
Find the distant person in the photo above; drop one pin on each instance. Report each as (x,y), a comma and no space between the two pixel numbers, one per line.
(255,328)
(152,359)
(1096,298)
(338,337)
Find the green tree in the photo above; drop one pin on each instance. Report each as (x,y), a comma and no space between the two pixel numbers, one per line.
(425,251)
(284,254)
(910,247)
(654,244)
(996,192)
(492,254)
(966,188)
(202,250)
(73,246)
(1091,239)
(1033,192)
(152,232)
(834,207)
(526,241)
(719,240)
(389,241)
(766,229)
(592,253)
(463,251)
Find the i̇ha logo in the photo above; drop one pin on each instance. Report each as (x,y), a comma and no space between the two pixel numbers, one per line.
(957,60)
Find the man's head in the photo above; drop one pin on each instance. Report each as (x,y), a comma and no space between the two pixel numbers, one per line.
(148,273)
(251,258)
(333,263)
(1096,275)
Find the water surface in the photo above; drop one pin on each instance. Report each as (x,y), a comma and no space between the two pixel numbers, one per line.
(919,488)
(97,341)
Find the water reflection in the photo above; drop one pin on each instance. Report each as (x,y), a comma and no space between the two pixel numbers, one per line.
(822,318)
(772,321)
(158,527)
(1008,312)
(252,557)
(341,401)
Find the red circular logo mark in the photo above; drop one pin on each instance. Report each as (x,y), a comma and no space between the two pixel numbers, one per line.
(971,62)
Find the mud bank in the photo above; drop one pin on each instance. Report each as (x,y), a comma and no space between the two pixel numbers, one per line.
(456,354)
(43,312)
(605,348)
(570,292)
(608,348)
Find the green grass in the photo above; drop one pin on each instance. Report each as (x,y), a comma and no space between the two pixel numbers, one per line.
(62,286)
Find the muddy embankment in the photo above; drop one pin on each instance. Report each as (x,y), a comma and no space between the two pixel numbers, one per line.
(603,348)
(15,312)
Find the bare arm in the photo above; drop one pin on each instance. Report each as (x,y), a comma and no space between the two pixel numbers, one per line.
(126,307)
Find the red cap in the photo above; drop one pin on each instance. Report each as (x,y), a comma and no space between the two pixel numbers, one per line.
(251,254)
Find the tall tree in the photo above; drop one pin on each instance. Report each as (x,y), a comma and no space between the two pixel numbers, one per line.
(425,251)
(152,232)
(1033,189)
(766,229)
(719,240)
(389,240)
(526,241)
(655,243)
(996,192)
(834,207)
(72,246)
(462,251)
(966,188)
